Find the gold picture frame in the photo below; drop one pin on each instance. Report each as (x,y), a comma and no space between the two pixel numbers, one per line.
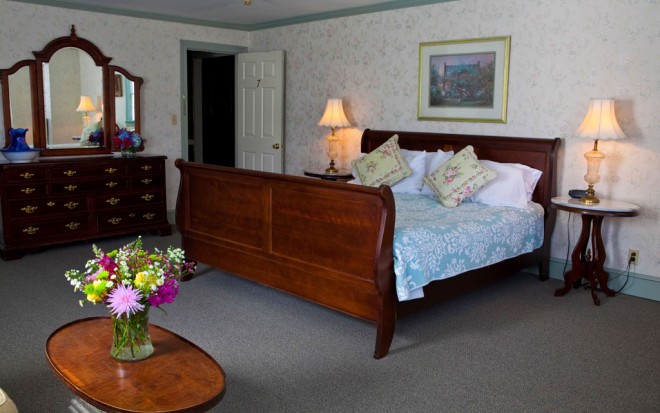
(119,86)
(464,80)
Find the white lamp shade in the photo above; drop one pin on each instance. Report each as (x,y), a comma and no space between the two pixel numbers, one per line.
(600,122)
(333,116)
(85,105)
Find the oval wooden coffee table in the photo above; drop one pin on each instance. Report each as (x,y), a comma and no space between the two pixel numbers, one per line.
(178,377)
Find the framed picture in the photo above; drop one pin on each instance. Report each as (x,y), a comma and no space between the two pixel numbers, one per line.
(464,80)
(119,86)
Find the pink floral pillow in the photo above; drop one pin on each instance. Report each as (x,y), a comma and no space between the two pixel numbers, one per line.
(459,178)
(385,165)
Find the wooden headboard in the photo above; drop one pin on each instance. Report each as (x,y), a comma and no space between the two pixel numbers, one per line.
(537,153)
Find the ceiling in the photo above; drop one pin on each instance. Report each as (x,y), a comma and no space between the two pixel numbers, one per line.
(234,14)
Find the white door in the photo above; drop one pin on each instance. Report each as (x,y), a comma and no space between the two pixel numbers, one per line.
(260,111)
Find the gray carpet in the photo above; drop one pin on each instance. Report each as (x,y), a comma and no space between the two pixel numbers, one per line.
(510,347)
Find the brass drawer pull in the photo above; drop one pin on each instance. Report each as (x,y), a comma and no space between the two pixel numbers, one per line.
(72,225)
(71,205)
(146,181)
(111,184)
(146,167)
(131,215)
(70,172)
(29,209)
(111,170)
(114,221)
(70,188)
(50,203)
(112,201)
(28,191)
(31,230)
(149,216)
(27,175)
(147,197)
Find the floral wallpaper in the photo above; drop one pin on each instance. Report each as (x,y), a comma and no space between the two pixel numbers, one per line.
(563,52)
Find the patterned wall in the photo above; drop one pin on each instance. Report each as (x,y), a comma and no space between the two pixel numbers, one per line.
(563,52)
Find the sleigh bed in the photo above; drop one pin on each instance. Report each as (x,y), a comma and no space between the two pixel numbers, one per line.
(331,242)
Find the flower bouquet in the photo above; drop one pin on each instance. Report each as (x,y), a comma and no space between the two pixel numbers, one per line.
(128,142)
(129,281)
(96,138)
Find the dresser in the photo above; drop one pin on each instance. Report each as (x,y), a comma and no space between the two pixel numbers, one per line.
(54,201)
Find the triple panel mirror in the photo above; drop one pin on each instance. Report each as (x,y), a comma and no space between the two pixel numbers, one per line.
(71,100)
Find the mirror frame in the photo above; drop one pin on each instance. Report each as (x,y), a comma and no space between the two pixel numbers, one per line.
(137,99)
(4,79)
(38,104)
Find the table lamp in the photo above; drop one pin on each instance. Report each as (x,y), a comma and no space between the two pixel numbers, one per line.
(85,106)
(333,117)
(599,124)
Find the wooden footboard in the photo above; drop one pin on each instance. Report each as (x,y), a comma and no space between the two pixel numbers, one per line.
(327,242)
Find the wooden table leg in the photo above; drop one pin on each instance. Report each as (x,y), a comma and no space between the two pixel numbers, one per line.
(599,257)
(578,259)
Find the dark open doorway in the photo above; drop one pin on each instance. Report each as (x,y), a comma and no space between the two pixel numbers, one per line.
(211,108)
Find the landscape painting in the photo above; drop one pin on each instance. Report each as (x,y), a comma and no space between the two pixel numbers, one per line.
(464,80)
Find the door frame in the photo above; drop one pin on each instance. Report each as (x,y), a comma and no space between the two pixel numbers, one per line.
(191,45)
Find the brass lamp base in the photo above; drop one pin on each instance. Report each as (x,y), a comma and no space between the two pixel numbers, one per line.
(331,169)
(590,197)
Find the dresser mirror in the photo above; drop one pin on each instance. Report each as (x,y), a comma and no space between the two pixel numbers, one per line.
(17,87)
(70,98)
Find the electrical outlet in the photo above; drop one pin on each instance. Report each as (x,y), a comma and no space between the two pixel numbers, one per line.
(633,256)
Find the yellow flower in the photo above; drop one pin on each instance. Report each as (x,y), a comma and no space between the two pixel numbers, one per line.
(145,280)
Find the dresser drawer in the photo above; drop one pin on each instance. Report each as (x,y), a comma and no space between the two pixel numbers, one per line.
(108,221)
(58,228)
(82,171)
(141,166)
(146,181)
(31,190)
(136,199)
(26,174)
(36,208)
(80,186)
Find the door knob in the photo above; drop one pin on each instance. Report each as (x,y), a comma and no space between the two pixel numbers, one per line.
(276,146)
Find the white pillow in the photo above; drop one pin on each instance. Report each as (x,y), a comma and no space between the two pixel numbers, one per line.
(507,189)
(433,161)
(531,177)
(412,184)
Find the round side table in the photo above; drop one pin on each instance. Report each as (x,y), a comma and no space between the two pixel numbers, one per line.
(583,264)
(340,175)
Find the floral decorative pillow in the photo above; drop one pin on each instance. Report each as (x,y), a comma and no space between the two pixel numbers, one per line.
(384,165)
(433,161)
(459,178)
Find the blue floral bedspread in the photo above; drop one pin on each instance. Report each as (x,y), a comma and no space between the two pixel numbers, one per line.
(432,242)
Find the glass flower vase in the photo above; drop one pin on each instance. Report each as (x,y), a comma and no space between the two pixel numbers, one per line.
(130,337)
(128,152)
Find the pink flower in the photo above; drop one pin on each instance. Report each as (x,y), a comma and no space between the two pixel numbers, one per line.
(124,300)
